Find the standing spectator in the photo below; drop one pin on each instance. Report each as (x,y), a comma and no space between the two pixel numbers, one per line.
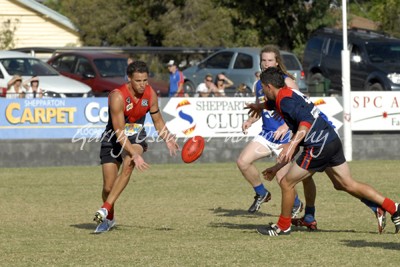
(222,82)
(14,87)
(205,88)
(31,88)
(128,61)
(176,80)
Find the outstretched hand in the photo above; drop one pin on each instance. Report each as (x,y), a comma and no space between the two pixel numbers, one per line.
(270,173)
(139,163)
(172,145)
(255,109)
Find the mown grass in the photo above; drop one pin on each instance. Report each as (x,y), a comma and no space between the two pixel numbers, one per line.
(185,215)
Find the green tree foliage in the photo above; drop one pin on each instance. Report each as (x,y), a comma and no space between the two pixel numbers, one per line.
(7,34)
(213,23)
(285,23)
(105,22)
(385,13)
(197,23)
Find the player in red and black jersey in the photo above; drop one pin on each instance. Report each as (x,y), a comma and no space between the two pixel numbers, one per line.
(322,151)
(124,140)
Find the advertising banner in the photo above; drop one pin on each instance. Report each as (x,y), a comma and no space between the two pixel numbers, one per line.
(223,117)
(84,119)
(375,111)
(52,118)
(57,118)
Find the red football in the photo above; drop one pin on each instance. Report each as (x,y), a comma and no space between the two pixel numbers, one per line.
(192,149)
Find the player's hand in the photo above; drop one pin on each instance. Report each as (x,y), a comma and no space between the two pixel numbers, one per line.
(287,153)
(245,126)
(269,173)
(280,133)
(172,145)
(139,163)
(255,109)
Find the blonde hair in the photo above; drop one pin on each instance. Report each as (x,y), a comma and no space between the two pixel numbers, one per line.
(275,49)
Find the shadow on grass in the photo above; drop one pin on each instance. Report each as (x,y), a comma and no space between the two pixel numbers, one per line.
(364,244)
(294,228)
(238,213)
(237,226)
(92,226)
(87,226)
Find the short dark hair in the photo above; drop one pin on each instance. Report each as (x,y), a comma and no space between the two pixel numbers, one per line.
(273,76)
(137,66)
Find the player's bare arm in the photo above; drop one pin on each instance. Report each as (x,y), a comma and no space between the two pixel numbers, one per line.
(280,133)
(162,130)
(290,149)
(247,124)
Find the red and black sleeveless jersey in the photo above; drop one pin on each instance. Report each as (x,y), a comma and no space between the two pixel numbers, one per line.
(134,113)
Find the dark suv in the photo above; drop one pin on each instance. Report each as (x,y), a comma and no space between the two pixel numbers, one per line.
(374,60)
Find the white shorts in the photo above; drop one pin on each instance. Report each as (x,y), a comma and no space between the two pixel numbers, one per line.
(271,146)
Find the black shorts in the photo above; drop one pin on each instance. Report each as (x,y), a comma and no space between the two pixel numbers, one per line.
(319,158)
(111,151)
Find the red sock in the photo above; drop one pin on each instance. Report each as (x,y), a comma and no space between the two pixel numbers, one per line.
(110,215)
(389,206)
(107,206)
(284,222)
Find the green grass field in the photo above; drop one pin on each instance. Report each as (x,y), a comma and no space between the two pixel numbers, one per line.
(186,215)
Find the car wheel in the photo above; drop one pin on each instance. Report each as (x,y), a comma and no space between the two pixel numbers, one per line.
(189,88)
(375,87)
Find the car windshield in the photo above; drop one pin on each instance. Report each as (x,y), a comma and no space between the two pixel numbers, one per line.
(111,67)
(291,63)
(27,67)
(383,52)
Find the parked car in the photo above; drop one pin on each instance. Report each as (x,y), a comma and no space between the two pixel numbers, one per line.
(240,65)
(51,82)
(101,71)
(374,60)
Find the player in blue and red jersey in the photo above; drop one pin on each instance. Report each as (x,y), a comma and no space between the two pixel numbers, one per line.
(274,133)
(322,151)
(124,139)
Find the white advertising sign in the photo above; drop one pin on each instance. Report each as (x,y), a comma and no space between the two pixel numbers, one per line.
(223,117)
(375,111)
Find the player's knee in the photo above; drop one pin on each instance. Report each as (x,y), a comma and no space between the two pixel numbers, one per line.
(106,189)
(343,187)
(242,164)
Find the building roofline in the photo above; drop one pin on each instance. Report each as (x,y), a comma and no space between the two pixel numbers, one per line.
(48,12)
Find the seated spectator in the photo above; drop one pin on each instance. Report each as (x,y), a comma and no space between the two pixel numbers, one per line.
(241,91)
(31,88)
(222,82)
(205,88)
(14,87)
